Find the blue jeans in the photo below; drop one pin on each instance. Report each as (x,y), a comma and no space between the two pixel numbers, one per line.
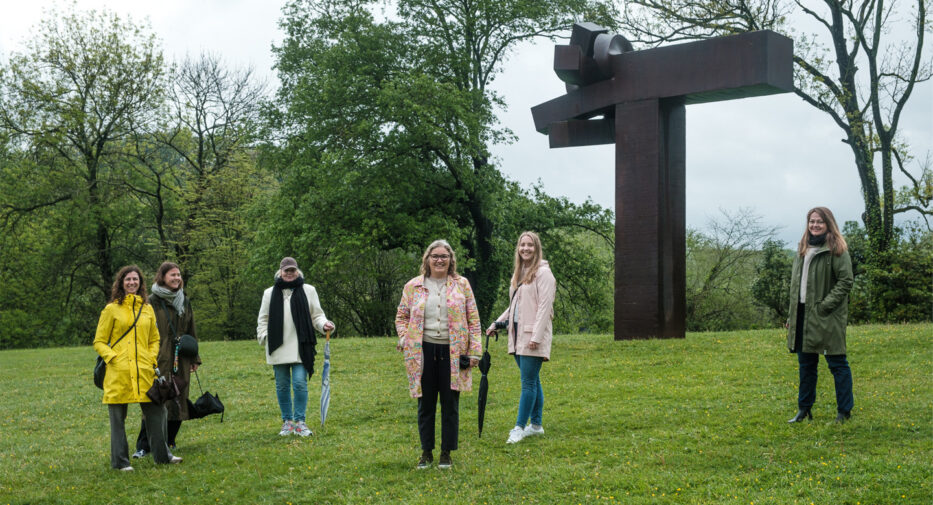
(531,402)
(287,378)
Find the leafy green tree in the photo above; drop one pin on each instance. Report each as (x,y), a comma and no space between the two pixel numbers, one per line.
(901,291)
(771,287)
(73,97)
(399,112)
(860,66)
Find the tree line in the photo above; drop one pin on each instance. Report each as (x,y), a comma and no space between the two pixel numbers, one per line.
(376,142)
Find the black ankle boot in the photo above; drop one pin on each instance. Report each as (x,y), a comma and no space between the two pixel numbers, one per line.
(842,417)
(801,415)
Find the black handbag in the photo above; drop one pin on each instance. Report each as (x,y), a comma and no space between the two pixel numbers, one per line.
(100,367)
(206,404)
(186,346)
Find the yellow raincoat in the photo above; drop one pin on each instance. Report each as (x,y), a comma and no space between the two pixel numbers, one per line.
(131,362)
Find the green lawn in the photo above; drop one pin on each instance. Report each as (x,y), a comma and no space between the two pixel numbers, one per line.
(700,420)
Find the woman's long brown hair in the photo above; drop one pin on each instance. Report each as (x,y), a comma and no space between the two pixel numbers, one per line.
(834,239)
(117,294)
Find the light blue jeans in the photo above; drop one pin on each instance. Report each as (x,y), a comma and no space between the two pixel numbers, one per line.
(531,402)
(292,376)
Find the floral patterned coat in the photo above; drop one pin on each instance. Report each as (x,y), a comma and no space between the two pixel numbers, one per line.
(463,327)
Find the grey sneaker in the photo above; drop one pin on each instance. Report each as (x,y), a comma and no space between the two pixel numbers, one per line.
(301,429)
(533,430)
(140,454)
(287,429)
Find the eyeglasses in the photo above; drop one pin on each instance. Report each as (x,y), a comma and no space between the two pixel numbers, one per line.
(440,257)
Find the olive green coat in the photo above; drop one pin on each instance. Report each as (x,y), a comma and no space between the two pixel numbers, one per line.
(829,280)
(165,312)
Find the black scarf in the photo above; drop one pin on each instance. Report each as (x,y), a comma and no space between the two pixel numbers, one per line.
(301,316)
(817,240)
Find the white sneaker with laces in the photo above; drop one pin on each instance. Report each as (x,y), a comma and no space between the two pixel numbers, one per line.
(533,430)
(287,429)
(126,469)
(516,435)
(301,429)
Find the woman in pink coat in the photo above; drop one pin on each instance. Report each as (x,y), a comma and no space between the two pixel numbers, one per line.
(528,318)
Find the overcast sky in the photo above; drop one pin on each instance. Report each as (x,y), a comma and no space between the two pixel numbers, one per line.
(775,155)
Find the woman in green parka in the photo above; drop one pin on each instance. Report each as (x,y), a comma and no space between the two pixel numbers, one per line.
(127,339)
(819,304)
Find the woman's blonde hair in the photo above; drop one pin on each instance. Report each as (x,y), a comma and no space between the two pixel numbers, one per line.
(527,276)
(426,260)
(834,239)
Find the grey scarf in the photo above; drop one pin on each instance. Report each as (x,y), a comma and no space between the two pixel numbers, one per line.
(176,297)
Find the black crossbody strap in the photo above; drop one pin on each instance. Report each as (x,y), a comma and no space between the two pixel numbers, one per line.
(168,316)
(125,333)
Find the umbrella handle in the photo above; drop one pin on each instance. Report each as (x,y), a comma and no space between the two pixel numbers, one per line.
(327,335)
(496,333)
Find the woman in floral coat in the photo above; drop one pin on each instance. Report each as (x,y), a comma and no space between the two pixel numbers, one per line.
(437,323)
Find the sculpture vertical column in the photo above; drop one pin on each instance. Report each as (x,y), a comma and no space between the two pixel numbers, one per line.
(650,280)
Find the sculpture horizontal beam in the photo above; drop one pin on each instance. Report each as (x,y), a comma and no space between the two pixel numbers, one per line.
(582,132)
(750,64)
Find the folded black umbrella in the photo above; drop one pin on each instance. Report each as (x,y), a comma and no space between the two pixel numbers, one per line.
(484,363)
(162,389)
(206,404)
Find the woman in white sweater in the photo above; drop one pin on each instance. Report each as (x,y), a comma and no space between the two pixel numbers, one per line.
(289,314)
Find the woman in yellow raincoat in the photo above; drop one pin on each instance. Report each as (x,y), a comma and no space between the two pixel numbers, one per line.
(128,341)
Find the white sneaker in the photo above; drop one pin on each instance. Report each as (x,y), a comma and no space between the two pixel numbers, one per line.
(126,469)
(301,429)
(516,435)
(287,429)
(175,460)
(532,430)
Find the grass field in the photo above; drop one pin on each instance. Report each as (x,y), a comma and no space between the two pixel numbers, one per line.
(701,420)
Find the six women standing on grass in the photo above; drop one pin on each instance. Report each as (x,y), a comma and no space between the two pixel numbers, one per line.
(528,319)
(127,339)
(819,298)
(174,318)
(288,316)
(439,333)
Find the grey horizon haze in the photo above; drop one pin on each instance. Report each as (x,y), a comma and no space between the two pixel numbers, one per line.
(775,155)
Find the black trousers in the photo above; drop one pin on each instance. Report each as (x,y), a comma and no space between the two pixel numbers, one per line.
(142,441)
(808,365)
(435,381)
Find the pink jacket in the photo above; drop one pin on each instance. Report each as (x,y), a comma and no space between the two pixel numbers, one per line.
(463,328)
(535,304)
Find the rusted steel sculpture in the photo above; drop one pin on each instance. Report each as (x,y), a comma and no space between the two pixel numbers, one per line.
(636,100)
